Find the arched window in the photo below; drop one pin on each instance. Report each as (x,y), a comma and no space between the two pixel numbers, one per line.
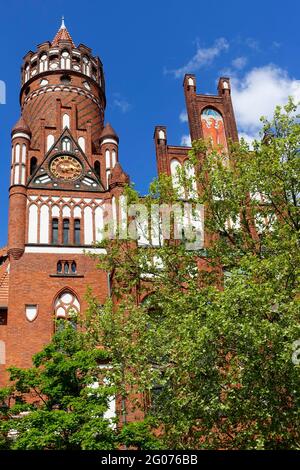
(66,231)
(73,267)
(77,231)
(66,268)
(113,158)
(66,121)
(86,66)
(54,236)
(43,63)
(65,61)
(176,173)
(97,168)
(66,306)
(107,158)
(59,267)
(66,144)
(33,165)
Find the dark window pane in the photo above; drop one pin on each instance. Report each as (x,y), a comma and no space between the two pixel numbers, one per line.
(3,317)
(66,227)
(97,168)
(33,165)
(66,268)
(73,267)
(54,231)
(77,232)
(59,267)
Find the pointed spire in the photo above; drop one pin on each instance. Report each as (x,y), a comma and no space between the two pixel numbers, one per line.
(62,35)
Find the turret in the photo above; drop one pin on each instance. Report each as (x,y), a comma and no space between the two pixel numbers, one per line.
(109,143)
(20,136)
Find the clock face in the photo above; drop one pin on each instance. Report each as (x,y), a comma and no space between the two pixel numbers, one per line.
(66,167)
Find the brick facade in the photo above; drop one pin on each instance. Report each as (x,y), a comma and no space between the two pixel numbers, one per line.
(62,117)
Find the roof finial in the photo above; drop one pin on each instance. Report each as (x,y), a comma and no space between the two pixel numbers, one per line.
(63,26)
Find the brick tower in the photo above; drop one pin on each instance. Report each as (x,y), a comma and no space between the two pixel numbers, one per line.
(64,168)
(64,171)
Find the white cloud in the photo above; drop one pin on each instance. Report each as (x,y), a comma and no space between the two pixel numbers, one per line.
(239,63)
(257,94)
(203,56)
(121,103)
(183,117)
(186,141)
(253,44)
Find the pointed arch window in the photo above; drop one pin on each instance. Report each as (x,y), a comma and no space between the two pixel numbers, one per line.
(66,121)
(66,144)
(66,307)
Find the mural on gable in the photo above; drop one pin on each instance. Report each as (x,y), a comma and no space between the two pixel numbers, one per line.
(213,127)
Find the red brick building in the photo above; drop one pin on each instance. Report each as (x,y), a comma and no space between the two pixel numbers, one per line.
(64,168)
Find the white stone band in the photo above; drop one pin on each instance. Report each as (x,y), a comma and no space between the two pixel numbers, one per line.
(21,135)
(63,250)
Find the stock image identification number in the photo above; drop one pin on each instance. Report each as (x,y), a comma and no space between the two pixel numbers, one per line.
(150,459)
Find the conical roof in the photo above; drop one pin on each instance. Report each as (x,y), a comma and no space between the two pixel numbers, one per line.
(62,35)
(21,126)
(109,132)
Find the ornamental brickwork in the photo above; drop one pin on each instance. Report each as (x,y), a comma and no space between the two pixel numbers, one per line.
(64,169)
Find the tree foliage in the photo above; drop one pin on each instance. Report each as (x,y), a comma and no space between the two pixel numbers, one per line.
(199,342)
(60,403)
(213,347)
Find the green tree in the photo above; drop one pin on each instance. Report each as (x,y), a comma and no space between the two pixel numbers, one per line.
(53,405)
(60,402)
(212,347)
(199,342)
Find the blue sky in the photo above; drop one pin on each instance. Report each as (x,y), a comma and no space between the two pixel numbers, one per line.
(145,48)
